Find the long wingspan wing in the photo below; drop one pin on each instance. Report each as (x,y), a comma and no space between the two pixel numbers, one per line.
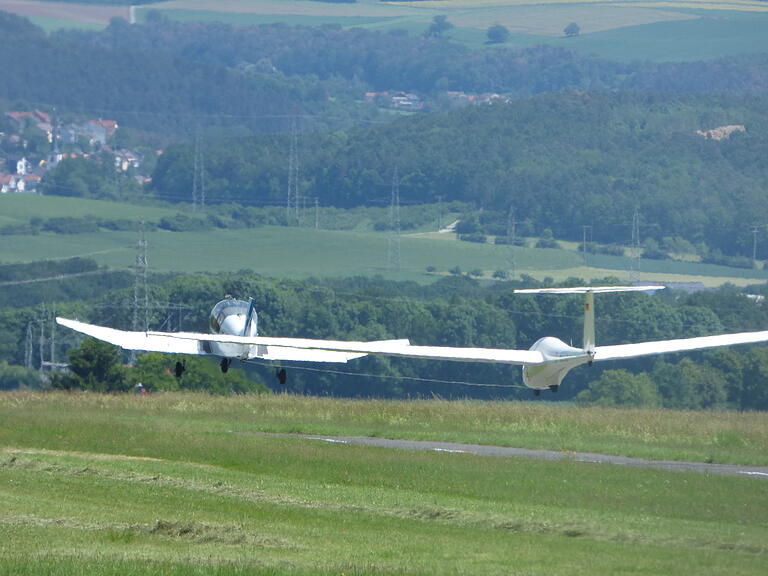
(149,342)
(681,345)
(301,354)
(299,349)
(383,348)
(193,344)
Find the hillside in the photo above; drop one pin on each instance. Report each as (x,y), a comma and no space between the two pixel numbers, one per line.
(560,161)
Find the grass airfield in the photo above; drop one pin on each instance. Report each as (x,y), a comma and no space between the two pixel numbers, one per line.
(180,484)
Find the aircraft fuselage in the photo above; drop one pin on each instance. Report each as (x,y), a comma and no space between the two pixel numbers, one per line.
(230,317)
(560,358)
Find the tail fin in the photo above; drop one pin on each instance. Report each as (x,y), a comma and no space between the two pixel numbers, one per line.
(249,318)
(588,341)
(589,304)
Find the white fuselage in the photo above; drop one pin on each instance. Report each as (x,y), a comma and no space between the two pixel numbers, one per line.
(559,359)
(229,317)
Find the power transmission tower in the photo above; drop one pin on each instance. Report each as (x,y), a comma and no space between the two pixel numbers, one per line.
(42,337)
(293,200)
(394,223)
(53,337)
(29,345)
(584,243)
(140,288)
(634,273)
(439,213)
(512,239)
(317,213)
(198,176)
(755,230)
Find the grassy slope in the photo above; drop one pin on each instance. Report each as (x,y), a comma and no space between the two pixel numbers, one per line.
(19,208)
(110,485)
(304,252)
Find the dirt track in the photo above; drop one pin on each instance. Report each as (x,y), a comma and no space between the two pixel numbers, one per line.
(79,12)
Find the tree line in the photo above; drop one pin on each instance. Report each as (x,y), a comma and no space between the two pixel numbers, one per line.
(168,77)
(559,161)
(454,311)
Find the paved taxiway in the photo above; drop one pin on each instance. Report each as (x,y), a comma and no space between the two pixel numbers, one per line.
(507,451)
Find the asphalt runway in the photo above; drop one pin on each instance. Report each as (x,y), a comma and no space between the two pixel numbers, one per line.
(507,452)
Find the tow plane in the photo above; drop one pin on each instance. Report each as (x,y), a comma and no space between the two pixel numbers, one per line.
(234,334)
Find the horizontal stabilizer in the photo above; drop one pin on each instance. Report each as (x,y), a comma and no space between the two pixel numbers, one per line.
(585,289)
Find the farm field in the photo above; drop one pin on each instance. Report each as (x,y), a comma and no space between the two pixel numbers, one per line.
(173,484)
(633,30)
(302,253)
(305,252)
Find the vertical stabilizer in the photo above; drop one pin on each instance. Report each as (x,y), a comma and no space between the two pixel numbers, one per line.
(589,304)
(249,319)
(588,342)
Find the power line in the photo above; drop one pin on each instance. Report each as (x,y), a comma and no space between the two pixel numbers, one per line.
(61,277)
(293,202)
(141,270)
(634,272)
(755,230)
(394,223)
(584,229)
(512,239)
(392,377)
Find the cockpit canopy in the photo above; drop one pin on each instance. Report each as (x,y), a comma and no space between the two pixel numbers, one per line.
(226,308)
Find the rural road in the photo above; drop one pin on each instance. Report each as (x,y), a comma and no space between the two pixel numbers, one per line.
(506,451)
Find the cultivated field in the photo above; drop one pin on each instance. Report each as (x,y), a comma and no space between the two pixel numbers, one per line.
(180,484)
(305,252)
(627,30)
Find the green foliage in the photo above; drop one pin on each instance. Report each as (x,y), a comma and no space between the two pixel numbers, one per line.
(182,223)
(572,29)
(156,372)
(93,177)
(94,366)
(14,377)
(497,34)
(621,388)
(439,26)
(456,310)
(557,170)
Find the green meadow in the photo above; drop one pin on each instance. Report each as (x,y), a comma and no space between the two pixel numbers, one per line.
(306,252)
(182,484)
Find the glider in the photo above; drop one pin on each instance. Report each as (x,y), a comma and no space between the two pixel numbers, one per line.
(234,334)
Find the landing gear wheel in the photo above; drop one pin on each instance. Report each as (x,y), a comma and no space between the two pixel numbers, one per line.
(554,388)
(180,368)
(225,362)
(537,392)
(281,375)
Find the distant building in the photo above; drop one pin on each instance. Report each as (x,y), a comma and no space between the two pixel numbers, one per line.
(96,132)
(721,132)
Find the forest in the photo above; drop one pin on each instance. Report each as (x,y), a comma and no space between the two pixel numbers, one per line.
(254,77)
(454,311)
(560,161)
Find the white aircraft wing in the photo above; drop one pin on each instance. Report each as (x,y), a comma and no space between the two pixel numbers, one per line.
(382,348)
(680,345)
(148,342)
(301,354)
